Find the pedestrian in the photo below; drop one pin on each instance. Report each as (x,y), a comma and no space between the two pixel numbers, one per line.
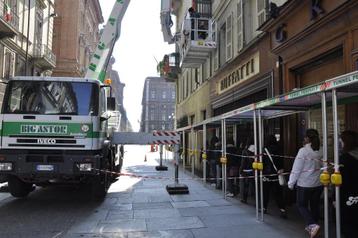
(193,13)
(271,183)
(212,159)
(246,170)
(217,156)
(305,175)
(233,164)
(349,188)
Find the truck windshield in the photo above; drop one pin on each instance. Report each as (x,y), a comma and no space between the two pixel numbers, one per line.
(51,98)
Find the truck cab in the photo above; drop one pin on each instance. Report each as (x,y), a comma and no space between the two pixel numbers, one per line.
(56,130)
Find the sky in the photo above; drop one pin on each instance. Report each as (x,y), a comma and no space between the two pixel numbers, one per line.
(140,43)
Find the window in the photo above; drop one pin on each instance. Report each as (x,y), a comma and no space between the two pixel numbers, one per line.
(222,45)
(164,116)
(240,37)
(215,55)
(9,62)
(152,115)
(173,94)
(39,18)
(152,94)
(248,21)
(229,37)
(164,94)
(261,12)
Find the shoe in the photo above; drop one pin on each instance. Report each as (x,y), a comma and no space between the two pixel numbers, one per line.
(230,195)
(283,213)
(314,230)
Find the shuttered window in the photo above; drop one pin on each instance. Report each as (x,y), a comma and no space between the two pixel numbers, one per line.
(240,38)
(261,12)
(229,37)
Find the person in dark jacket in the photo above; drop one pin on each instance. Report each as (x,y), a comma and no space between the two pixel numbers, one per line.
(271,183)
(233,164)
(349,188)
(212,158)
(246,169)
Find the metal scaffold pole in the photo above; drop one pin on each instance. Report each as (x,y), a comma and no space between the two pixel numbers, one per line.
(336,177)
(184,151)
(176,187)
(261,136)
(223,156)
(161,167)
(204,155)
(325,159)
(256,172)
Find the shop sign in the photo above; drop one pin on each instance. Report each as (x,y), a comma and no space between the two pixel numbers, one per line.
(303,92)
(338,82)
(267,102)
(245,71)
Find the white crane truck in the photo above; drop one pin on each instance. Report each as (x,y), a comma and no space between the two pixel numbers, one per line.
(55,129)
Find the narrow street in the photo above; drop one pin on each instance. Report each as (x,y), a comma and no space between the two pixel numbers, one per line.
(137,208)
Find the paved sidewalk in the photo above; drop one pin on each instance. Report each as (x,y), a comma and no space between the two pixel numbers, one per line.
(138,207)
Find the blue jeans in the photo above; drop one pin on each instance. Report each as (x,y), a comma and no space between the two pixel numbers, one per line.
(308,202)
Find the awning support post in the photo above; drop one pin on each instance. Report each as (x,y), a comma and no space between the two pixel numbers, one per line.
(325,159)
(336,160)
(204,155)
(256,173)
(261,145)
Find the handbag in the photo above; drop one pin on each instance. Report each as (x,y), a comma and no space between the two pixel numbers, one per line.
(281,178)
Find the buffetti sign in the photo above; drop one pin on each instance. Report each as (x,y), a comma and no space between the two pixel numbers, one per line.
(248,69)
(43,129)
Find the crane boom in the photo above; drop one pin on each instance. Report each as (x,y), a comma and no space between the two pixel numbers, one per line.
(109,36)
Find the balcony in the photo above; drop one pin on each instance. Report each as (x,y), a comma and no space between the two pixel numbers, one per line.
(196,41)
(44,57)
(9,21)
(169,67)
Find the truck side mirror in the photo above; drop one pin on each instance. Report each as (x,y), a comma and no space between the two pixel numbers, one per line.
(111,104)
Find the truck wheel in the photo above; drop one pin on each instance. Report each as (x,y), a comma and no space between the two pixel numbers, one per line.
(99,187)
(18,188)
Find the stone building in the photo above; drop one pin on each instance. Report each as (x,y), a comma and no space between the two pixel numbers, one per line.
(314,41)
(118,92)
(225,63)
(76,34)
(158,104)
(26,36)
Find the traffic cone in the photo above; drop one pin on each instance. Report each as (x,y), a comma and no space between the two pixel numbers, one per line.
(145,158)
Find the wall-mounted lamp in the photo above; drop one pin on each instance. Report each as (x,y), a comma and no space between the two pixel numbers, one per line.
(53,15)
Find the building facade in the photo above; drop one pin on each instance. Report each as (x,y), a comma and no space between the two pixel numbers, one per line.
(118,92)
(315,41)
(158,104)
(76,34)
(230,67)
(26,37)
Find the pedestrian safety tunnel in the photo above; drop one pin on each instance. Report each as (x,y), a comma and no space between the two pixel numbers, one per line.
(329,93)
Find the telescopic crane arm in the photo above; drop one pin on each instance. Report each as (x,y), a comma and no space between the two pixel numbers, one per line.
(111,32)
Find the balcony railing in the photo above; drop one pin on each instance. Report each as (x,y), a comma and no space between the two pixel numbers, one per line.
(169,67)
(197,41)
(10,18)
(45,56)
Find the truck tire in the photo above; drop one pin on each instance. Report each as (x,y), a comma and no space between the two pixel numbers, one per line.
(19,188)
(99,187)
